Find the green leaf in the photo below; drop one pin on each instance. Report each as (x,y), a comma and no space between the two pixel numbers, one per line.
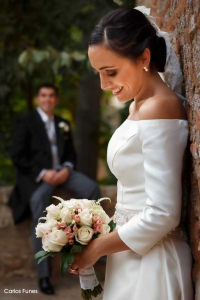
(76,33)
(65,59)
(78,56)
(23,58)
(66,259)
(112,225)
(76,249)
(40,254)
(42,258)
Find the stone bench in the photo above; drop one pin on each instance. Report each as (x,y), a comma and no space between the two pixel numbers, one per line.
(6,218)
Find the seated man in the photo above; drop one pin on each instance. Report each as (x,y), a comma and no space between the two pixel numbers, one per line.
(43,153)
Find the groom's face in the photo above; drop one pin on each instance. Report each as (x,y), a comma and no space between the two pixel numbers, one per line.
(47,99)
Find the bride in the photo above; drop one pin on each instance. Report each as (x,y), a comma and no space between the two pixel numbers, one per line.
(148,254)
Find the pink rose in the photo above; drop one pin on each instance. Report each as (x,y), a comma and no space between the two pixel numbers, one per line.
(68,229)
(99,222)
(71,242)
(70,235)
(61,225)
(75,228)
(77,218)
(99,228)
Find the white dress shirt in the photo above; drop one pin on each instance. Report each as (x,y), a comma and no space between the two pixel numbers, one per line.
(51,132)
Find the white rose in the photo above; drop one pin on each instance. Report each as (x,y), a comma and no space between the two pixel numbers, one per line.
(44,227)
(64,125)
(71,204)
(51,223)
(98,210)
(85,203)
(61,124)
(86,217)
(84,235)
(52,211)
(41,228)
(65,214)
(58,237)
(47,245)
(105,229)
(104,217)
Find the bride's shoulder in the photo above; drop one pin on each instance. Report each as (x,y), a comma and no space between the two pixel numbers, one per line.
(162,107)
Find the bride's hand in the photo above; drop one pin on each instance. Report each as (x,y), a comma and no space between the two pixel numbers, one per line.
(88,257)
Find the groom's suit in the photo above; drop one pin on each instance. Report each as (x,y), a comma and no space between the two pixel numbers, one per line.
(31,153)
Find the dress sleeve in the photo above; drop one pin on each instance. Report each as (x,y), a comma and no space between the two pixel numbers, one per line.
(163,145)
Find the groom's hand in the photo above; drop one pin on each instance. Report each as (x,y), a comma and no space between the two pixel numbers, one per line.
(61,176)
(49,176)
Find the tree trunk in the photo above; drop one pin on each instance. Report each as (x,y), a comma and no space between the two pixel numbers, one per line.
(27,87)
(87,124)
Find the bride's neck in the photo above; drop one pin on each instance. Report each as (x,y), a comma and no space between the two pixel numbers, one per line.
(150,87)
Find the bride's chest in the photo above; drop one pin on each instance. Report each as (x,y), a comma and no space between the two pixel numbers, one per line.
(124,149)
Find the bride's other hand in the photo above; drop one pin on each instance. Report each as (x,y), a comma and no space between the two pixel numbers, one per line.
(107,244)
(88,257)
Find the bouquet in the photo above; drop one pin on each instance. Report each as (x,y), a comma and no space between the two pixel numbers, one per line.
(68,228)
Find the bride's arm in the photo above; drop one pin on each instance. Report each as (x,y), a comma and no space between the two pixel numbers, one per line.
(107,244)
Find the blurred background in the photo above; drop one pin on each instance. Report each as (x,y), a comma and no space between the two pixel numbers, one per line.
(46,41)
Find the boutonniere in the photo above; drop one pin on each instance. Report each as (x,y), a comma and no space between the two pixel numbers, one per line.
(64,127)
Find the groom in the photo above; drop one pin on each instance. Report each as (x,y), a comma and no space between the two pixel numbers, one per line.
(43,153)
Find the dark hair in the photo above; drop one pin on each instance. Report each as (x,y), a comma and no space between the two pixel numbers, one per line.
(49,86)
(128,32)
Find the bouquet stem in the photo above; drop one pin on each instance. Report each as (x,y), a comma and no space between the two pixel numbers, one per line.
(89,294)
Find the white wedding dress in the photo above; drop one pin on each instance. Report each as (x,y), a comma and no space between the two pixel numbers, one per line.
(147,157)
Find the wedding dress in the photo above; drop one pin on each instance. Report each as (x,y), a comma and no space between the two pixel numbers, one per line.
(146,156)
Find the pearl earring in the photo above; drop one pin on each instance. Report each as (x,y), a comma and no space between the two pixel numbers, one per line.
(146,69)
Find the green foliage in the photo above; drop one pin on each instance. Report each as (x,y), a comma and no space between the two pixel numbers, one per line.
(41,41)
(112,225)
(41,255)
(65,260)
(76,249)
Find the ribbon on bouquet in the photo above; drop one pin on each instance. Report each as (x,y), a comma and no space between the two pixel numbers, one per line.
(88,279)
(90,286)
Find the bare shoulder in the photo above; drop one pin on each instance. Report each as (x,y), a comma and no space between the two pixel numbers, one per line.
(162,107)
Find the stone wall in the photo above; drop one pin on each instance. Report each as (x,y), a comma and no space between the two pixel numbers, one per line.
(181,18)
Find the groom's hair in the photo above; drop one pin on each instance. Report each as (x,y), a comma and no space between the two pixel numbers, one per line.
(48,86)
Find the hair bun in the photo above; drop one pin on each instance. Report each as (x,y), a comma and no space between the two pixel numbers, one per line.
(160,54)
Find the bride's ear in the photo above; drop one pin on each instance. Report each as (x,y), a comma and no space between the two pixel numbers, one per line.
(145,58)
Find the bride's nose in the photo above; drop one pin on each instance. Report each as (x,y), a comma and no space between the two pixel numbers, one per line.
(105,83)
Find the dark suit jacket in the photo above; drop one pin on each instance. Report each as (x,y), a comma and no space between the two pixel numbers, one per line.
(31,152)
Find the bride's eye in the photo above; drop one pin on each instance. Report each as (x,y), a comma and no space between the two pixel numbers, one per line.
(112,74)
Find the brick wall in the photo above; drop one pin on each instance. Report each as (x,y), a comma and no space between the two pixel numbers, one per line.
(181,18)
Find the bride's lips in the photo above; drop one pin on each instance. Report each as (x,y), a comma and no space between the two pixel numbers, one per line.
(116,92)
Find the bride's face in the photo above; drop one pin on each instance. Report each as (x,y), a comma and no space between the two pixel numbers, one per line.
(121,75)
